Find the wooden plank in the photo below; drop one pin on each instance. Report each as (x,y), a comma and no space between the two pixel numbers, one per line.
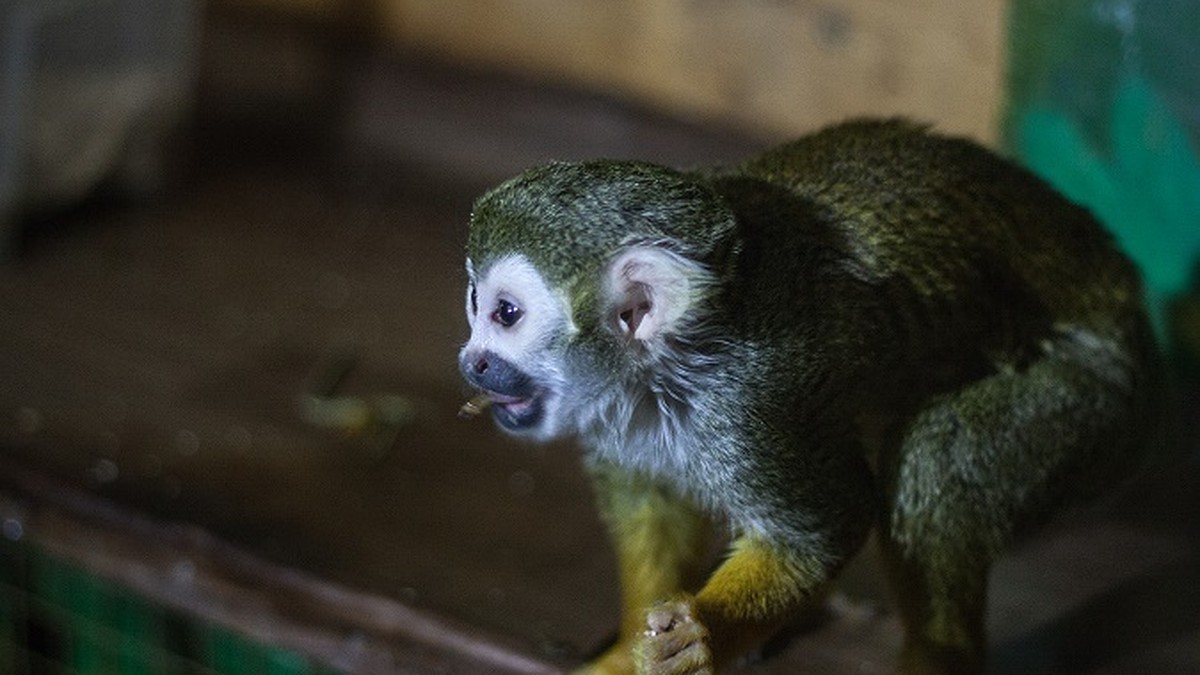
(779,67)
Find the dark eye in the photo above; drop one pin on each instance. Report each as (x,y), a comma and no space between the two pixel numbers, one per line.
(506,314)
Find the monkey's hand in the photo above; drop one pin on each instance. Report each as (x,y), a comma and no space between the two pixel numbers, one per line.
(675,642)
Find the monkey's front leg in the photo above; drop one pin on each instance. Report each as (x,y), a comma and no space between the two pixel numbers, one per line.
(660,540)
(747,599)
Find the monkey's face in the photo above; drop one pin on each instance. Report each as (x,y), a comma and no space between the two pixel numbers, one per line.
(578,275)
(515,352)
(532,361)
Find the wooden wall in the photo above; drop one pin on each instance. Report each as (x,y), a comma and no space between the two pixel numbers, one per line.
(776,66)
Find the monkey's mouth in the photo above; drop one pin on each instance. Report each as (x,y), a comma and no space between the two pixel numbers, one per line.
(516,412)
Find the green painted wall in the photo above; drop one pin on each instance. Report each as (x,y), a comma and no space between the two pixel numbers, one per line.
(1104,102)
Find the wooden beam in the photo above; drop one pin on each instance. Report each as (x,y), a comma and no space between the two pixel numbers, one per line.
(778,67)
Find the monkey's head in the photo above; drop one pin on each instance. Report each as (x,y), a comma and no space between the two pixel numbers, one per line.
(580,276)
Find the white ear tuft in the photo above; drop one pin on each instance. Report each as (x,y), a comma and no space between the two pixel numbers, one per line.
(650,289)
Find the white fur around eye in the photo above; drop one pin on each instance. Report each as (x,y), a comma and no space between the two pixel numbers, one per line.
(543,312)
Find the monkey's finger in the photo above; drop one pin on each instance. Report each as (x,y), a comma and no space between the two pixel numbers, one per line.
(662,619)
(681,650)
(670,629)
(695,659)
(662,646)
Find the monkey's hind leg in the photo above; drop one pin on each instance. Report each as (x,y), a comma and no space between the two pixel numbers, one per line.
(976,467)
(660,541)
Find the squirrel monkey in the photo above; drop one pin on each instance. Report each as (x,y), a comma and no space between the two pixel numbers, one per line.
(871,326)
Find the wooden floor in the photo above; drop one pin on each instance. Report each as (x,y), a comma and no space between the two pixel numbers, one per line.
(154,360)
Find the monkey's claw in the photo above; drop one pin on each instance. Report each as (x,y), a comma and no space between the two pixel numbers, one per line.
(674,642)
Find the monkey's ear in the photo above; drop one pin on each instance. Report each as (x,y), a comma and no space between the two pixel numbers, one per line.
(650,289)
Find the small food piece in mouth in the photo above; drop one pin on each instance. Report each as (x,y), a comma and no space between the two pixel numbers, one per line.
(476,405)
